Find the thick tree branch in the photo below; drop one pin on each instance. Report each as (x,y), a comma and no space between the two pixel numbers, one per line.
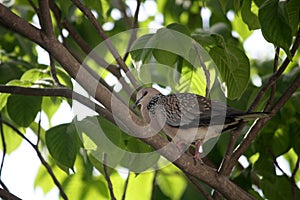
(19,25)
(4,194)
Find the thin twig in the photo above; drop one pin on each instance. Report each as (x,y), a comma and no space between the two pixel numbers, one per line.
(33,6)
(3,154)
(199,187)
(3,147)
(230,158)
(293,180)
(126,186)
(89,51)
(122,6)
(39,129)
(108,43)
(106,175)
(260,123)
(276,75)
(154,184)
(53,72)
(43,161)
(45,18)
(273,88)
(58,92)
(204,67)
(134,30)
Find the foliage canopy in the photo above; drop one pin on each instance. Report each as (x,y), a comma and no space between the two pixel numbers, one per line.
(190,52)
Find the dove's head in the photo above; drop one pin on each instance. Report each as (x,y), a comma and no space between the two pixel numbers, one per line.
(144,96)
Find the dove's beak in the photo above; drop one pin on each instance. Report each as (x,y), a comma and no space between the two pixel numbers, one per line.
(136,104)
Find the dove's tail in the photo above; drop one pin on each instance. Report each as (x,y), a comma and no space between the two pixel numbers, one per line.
(253,116)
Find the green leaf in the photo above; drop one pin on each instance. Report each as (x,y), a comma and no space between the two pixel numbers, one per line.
(77,187)
(139,50)
(192,80)
(171,181)
(3,100)
(44,180)
(63,77)
(38,76)
(241,28)
(280,142)
(293,9)
(165,57)
(209,39)
(50,105)
(102,137)
(292,157)
(9,71)
(274,24)
(23,109)
(13,141)
(140,186)
(248,16)
(62,142)
(180,28)
(234,68)
(277,188)
(172,41)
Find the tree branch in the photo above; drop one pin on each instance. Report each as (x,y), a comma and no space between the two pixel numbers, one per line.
(205,69)
(45,18)
(199,187)
(273,88)
(19,25)
(122,113)
(7,195)
(53,72)
(89,51)
(108,43)
(133,35)
(293,177)
(126,186)
(122,6)
(276,75)
(230,158)
(106,175)
(58,92)
(4,154)
(260,123)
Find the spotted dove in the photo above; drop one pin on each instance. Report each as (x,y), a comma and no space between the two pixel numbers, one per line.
(197,118)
